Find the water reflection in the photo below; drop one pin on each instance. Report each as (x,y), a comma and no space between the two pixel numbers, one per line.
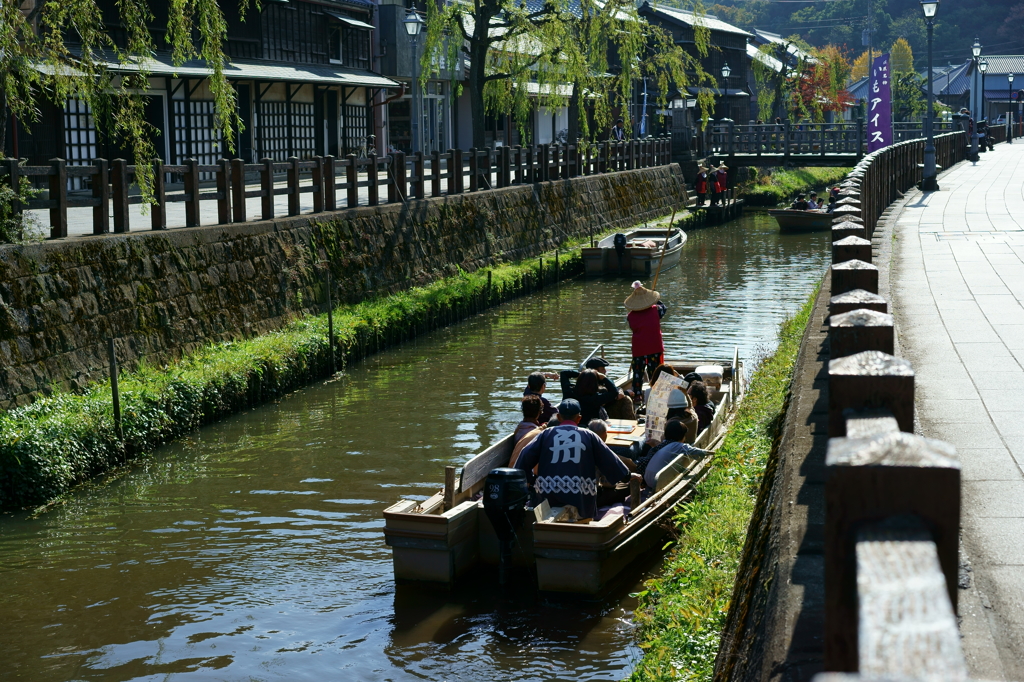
(253,549)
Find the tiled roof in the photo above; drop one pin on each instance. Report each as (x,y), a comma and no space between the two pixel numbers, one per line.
(709,20)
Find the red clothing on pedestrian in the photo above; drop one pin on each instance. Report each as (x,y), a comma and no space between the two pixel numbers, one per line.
(722,181)
(646,326)
(702,184)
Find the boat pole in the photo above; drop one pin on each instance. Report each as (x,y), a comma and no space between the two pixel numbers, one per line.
(668,234)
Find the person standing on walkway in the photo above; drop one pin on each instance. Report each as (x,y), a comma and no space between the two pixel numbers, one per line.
(722,182)
(701,185)
(645,313)
(713,185)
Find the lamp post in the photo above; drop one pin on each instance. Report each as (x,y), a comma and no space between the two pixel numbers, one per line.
(725,78)
(928,183)
(413,25)
(976,51)
(1009,110)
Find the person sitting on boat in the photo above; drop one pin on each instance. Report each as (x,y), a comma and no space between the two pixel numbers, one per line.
(800,204)
(659,456)
(702,405)
(644,320)
(528,438)
(531,407)
(568,459)
(621,407)
(700,185)
(536,384)
(812,203)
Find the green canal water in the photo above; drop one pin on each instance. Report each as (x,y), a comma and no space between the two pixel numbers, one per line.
(252,550)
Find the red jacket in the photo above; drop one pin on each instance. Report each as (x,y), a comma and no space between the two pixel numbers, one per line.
(646,326)
(722,181)
(702,183)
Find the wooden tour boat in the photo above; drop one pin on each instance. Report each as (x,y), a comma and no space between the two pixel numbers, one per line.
(442,538)
(640,256)
(792,220)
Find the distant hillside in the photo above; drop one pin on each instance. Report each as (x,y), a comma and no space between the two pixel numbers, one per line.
(998,23)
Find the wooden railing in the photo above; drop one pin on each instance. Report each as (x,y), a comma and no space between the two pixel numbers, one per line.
(333,182)
(805,139)
(892,499)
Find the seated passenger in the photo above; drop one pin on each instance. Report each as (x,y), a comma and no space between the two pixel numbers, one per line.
(531,407)
(536,384)
(702,405)
(662,454)
(528,438)
(812,204)
(800,204)
(568,459)
(593,396)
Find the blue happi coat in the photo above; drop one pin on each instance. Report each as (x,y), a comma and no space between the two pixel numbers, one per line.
(567,460)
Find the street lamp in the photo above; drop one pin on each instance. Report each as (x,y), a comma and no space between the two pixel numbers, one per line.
(413,25)
(1009,110)
(976,48)
(983,67)
(928,182)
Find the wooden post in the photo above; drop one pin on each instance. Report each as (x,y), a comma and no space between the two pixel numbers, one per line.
(435,173)
(330,183)
(517,159)
(101,192)
(540,273)
(851,248)
(223,176)
(556,267)
(474,171)
(267,187)
(869,480)
(59,194)
(352,179)
(192,190)
(293,186)
(556,163)
(449,487)
(529,170)
(318,184)
(867,380)
(119,181)
(115,393)
(158,212)
(854,274)
(858,331)
(372,181)
(238,208)
(544,163)
(455,176)
(856,300)
(330,319)
(417,169)
(485,170)
(504,168)
(399,176)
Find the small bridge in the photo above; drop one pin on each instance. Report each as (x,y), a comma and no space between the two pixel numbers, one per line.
(804,144)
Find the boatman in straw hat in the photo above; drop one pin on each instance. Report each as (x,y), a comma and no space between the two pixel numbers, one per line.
(645,313)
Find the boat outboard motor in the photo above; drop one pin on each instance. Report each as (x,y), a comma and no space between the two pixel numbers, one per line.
(505,496)
(619,242)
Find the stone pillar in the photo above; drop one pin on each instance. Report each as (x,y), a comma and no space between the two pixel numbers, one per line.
(868,380)
(860,330)
(855,300)
(854,274)
(851,248)
(847,228)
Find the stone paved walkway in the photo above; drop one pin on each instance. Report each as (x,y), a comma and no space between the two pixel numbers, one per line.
(958,291)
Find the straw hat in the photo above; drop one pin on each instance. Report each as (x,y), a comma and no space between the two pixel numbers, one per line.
(723,167)
(641,298)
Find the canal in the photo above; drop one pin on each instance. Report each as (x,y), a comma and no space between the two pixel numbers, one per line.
(253,549)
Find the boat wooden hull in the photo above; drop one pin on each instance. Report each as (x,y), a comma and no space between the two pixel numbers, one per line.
(432,544)
(603,259)
(801,221)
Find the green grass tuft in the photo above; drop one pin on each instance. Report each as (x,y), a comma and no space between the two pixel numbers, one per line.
(682,612)
(782,186)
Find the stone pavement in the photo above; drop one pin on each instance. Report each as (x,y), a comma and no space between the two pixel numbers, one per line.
(957,286)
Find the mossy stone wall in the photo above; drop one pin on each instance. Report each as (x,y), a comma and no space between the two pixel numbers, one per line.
(164,293)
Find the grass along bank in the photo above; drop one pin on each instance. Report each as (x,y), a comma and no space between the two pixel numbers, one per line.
(782,185)
(683,611)
(48,447)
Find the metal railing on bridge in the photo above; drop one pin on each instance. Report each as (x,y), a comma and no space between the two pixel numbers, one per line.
(846,140)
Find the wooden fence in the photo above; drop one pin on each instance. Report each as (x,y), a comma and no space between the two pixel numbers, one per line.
(333,182)
(892,499)
(806,139)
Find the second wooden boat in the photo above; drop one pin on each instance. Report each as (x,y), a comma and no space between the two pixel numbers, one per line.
(639,256)
(792,220)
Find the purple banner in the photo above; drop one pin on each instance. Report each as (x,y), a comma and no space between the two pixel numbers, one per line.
(880,105)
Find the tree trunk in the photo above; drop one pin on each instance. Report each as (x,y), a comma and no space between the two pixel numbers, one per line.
(478,47)
(574,115)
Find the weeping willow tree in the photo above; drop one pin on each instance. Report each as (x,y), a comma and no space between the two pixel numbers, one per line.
(587,55)
(812,87)
(60,50)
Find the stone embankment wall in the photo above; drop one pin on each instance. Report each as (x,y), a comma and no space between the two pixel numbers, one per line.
(161,294)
